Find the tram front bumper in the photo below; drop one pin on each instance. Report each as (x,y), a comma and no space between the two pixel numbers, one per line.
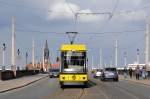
(73,77)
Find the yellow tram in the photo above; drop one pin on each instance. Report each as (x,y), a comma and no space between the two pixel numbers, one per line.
(73,69)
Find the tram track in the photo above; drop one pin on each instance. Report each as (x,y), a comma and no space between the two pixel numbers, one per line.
(70,92)
(120,88)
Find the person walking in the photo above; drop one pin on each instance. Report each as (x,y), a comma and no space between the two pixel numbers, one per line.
(125,72)
(130,72)
(144,72)
(137,71)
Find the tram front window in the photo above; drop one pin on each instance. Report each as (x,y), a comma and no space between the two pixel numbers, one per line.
(74,60)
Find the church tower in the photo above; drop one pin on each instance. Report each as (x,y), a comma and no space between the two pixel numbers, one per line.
(46,56)
(46,53)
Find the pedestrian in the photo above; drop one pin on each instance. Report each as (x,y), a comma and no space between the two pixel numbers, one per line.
(137,71)
(144,72)
(140,74)
(92,74)
(130,72)
(125,72)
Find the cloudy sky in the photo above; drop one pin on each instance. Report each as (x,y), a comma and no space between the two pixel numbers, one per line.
(50,19)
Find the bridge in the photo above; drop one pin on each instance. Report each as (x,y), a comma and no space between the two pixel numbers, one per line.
(103,46)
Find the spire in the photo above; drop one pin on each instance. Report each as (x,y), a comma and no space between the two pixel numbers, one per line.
(46,52)
(46,45)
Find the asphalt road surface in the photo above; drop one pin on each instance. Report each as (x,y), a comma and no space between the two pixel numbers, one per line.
(49,88)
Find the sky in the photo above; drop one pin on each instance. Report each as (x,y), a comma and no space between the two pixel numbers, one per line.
(42,20)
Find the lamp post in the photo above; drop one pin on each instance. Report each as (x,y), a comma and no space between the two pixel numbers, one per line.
(100,60)
(137,57)
(125,58)
(13,47)
(92,63)
(116,53)
(90,67)
(146,42)
(19,58)
(26,59)
(3,56)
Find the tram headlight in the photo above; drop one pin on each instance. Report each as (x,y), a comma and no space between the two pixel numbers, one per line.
(84,77)
(63,77)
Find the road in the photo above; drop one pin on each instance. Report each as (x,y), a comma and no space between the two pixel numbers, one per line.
(48,88)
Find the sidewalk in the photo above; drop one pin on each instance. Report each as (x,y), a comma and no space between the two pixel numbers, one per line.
(141,81)
(20,82)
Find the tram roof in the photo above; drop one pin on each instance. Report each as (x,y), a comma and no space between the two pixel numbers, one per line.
(74,47)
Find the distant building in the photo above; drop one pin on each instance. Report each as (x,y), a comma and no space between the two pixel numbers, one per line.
(55,66)
(42,65)
(36,66)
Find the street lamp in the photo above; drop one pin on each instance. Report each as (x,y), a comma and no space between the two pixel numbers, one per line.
(138,55)
(26,58)
(3,56)
(19,57)
(125,58)
(92,59)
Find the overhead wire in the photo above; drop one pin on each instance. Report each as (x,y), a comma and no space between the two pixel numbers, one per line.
(114,9)
(67,3)
(135,43)
(131,11)
(111,16)
(112,13)
(128,47)
(81,33)
(42,32)
(74,15)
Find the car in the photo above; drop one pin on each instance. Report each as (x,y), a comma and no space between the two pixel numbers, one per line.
(110,73)
(53,73)
(97,74)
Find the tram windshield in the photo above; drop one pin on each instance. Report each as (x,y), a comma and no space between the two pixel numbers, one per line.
(74,60)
